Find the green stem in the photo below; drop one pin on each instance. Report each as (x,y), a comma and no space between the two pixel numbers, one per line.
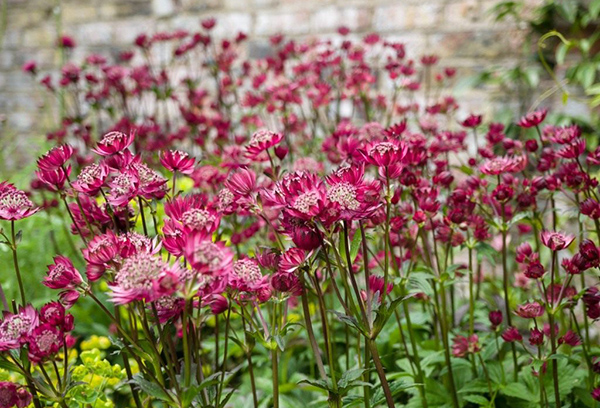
(16,262)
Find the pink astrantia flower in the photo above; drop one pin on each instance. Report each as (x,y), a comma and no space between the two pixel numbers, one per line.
(113,142)
(260,141)
(500,165)
(533,118)
(351,195)
(91,178)
(8,394)
(465,345)
(176,160)
(512,334)
(246,275)
(54,179)
(387,152)
(55,158)
(14,204)
(15,328)
(530,310)
(207,257)
(45,341)
(134,280)
(293,259)
(62,274)
(301,194)
(100,252)
(556,241)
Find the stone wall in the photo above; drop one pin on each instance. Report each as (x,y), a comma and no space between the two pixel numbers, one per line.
(462,32)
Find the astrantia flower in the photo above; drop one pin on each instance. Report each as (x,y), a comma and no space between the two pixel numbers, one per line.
(14,204)
(303,195)
(62,274)
(207,257)
(570,338)
(472,121)
(15,328)
(55,158)
(292,259)
(134,279)
(91,178)
(54,179)
(533,118)
(99,253)
(530,310)
(351,195)
(8,394)
(556,241)
(176,160)
(375,287)
(260,141)
(55,314)
(512,334)
(151,184)
(124,187)
(113,142)
(495,317)
(499,165)
(465,345)
(384,153)
(590,208)
(246,275)
(286,282)
(536,337)
(133,243)
(45,341)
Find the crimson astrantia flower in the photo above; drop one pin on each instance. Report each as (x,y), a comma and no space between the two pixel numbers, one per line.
(387,152)
(530,310)
(589,250)
(512,334)
(525,253)
(472,121)
(465,345)
(8,394)
(242,182)
(301,194)
(134,280)
(54,179)
(124,187)
(55,158)
(570,338)
(590,208)
(260,141)
(91,178)
(151,184)
(375,286)
(535,270)
(113,142)
(246,275)
(45,341)
(55,314)
(495,317)
(62,274)
(100,251)
(293,259)
(556,241)
(15,328)
(499,165)
(191,213)
(286,282)
(536,337)
(573,150)
(207,257)
(352,196)
(14,204)
(533,118)
(596,394)
(176,160)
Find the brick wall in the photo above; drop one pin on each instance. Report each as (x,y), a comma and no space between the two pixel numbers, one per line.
(462,32)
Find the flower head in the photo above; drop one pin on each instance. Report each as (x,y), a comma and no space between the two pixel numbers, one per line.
(62,274)
(530,310)
(465,345)
(533,118)
(556,241)
(14,204)
(260,141)
(15,328)
(176,160)
(45,341)
(113,142)
(91,178)
(511,334)
(55,158)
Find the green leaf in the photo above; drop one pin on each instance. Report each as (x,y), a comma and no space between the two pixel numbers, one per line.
(518,390)
(594,9)
(355,245)
(350,376)
(150,388)
(477,399)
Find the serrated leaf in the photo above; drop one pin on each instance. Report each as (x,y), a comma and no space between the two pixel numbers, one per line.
(477,399)
(518,390)
(350,376)
(150,388)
